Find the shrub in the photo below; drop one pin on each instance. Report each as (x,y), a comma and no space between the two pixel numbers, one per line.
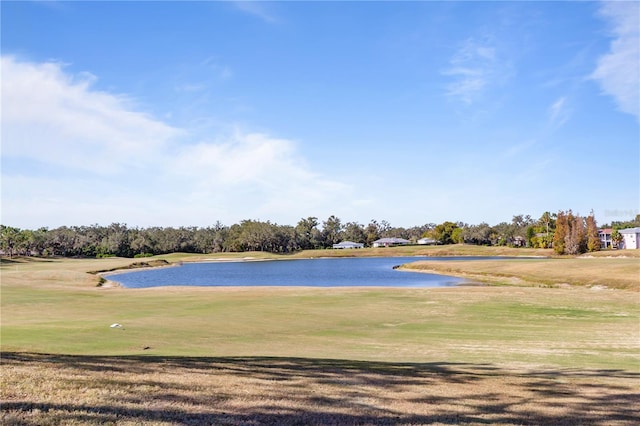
(142,255)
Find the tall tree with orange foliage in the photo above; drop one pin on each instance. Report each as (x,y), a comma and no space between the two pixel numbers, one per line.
(593,240)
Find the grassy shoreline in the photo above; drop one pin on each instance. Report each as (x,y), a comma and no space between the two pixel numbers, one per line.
(597,272)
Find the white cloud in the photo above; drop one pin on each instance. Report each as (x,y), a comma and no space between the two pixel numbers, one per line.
(263,173)
(618,72)
(75,155)
(242,158)
(473,67)
(59,119)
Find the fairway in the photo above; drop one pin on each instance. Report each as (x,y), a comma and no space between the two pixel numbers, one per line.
(541,326)
(358,355)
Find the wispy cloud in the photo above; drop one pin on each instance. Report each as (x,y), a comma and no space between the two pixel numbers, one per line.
(518,148)
(473,68)
(260,9)
(203,76)
(559,112)
(191,87)
(618,72)
(218,70)
(101,159)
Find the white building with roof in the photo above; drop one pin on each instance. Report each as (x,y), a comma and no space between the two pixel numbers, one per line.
(631,237)
(348,245)
(388,242)
(427,241)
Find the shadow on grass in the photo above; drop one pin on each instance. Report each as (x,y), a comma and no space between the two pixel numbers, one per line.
(66,389)
(17,260)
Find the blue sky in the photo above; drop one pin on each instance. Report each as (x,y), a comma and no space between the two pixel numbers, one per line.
(188,113)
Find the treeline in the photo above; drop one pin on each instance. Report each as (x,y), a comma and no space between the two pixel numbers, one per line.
(249,235)
(564,231)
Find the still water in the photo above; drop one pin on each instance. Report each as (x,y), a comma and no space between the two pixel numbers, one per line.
(334,272)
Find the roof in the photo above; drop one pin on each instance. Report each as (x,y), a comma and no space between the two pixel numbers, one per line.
(348,244)
(635,230)
(605,231)
(392,241)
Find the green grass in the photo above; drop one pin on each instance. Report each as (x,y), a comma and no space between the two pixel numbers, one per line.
(457,324)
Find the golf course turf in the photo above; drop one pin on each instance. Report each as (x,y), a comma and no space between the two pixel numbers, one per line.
(556,350)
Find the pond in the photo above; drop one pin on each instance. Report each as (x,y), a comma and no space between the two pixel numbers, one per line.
(325,272)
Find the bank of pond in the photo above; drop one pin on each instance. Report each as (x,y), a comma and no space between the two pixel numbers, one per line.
(323,272)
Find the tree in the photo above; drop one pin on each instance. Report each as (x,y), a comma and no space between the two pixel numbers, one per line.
(478,234)
(593,239)
(233,242)
(307,233)
(544,228)
(331,231)
(140,242)
(443,233)
(531,234)
(353,231)
(416,232)
(116,241)
(520,225)
(575,240)
(616,238)
(385,230)
(63,241)
(286,240)
(504,233)
(571,234)
(562,230)
(456,236)
(38,241)
(210,239)
(546,219)
(9,239)
(372,232)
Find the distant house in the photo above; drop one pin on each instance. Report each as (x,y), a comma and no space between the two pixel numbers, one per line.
(388,242)
(606,242)
(519,241)
(427,241)
(631,237)
(348,245)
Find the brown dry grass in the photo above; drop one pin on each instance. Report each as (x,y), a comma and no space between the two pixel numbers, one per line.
(42,389)
(613,272)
